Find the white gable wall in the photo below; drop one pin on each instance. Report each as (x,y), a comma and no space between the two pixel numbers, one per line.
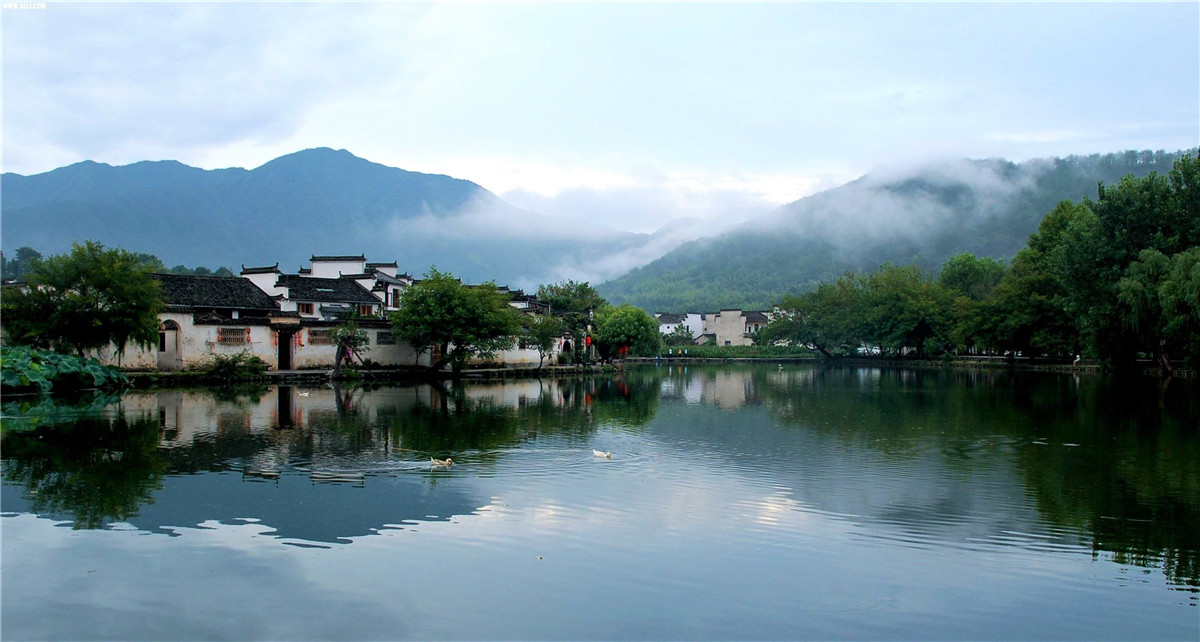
(334,269)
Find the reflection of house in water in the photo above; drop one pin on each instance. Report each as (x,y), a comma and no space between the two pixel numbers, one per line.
(306,473)
(723,387)
(319,464)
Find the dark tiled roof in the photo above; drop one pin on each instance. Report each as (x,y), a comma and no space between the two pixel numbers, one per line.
(380,277)
(756,317)
(329,259)
(672,318)
(307,288)
(393,264)
(260,270)
(214,292)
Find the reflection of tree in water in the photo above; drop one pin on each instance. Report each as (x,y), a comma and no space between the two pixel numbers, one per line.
(465,418)
(627,399)
(96,470)
(1116,458)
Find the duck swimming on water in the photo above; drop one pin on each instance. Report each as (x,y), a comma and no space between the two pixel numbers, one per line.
(602,453)
(441,463)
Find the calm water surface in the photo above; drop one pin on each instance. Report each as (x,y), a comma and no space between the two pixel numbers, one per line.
(739,503)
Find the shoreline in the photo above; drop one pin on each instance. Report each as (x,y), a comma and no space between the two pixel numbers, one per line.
(161,379)
(1024,364)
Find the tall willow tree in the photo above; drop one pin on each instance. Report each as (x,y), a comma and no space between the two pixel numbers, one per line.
(1141,230)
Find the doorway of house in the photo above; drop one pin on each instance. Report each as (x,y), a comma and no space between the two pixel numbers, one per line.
(168,346)
(285,348)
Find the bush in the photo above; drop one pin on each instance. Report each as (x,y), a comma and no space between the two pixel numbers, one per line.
(235,367)
(25,369)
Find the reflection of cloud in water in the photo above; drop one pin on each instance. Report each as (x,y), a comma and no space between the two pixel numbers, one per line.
(914,496)
(298,508)
(127,586)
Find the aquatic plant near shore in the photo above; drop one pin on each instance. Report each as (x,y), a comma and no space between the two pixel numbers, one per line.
(25,369)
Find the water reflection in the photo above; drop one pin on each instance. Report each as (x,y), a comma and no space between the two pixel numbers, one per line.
(972,458)
(284,456)
(977,460)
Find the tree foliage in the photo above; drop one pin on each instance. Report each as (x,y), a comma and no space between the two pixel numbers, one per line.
(575,303)
(349,340)
(680,336)
(1115,278)
(935,217)
(542,331)
(16,268)
(624,329)
(85,300)
(456,321)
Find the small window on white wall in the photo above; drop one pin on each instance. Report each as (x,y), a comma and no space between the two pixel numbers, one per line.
(233,335)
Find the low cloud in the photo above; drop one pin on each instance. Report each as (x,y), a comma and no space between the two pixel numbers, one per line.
(647,207)
(906,201)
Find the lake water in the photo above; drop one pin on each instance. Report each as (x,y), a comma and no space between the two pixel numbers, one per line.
(740,502)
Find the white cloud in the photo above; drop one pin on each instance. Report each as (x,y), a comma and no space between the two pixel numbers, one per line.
(1050,136)
(629,114)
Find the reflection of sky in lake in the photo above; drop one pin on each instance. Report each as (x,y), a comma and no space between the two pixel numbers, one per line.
(714,520)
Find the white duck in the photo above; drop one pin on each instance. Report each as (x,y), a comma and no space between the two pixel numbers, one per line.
(441,463)
(602,453)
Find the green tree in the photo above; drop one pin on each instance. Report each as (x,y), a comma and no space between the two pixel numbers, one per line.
(1153,213)
(1159,300)
(903,309)
(85,300)
(575,303)
(543,331)
(971,276)
(153,262)
(624,329)
(454,320)
(680,336)
(970,280)
(349,339)
(571,297)
(17,267)
(1027,311)
(824,318)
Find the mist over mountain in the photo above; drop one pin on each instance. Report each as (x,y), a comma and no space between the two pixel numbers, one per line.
(322,201)
(920,214)
(317,201)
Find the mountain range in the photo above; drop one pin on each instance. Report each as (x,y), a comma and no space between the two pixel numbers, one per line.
(317,201)
(327,202)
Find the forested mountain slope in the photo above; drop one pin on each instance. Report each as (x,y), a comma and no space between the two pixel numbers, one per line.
(317,201)
(921,215)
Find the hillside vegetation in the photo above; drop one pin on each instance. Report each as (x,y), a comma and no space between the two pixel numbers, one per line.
(920,217)
(316,201)
(1115,278)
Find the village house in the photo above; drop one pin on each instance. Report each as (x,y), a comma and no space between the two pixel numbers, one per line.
(323,296)
(668,323)
(334,287)
(205,316)
(732,327)
(208,316)
(287,320)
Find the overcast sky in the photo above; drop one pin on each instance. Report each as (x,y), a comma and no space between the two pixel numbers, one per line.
(627,114)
